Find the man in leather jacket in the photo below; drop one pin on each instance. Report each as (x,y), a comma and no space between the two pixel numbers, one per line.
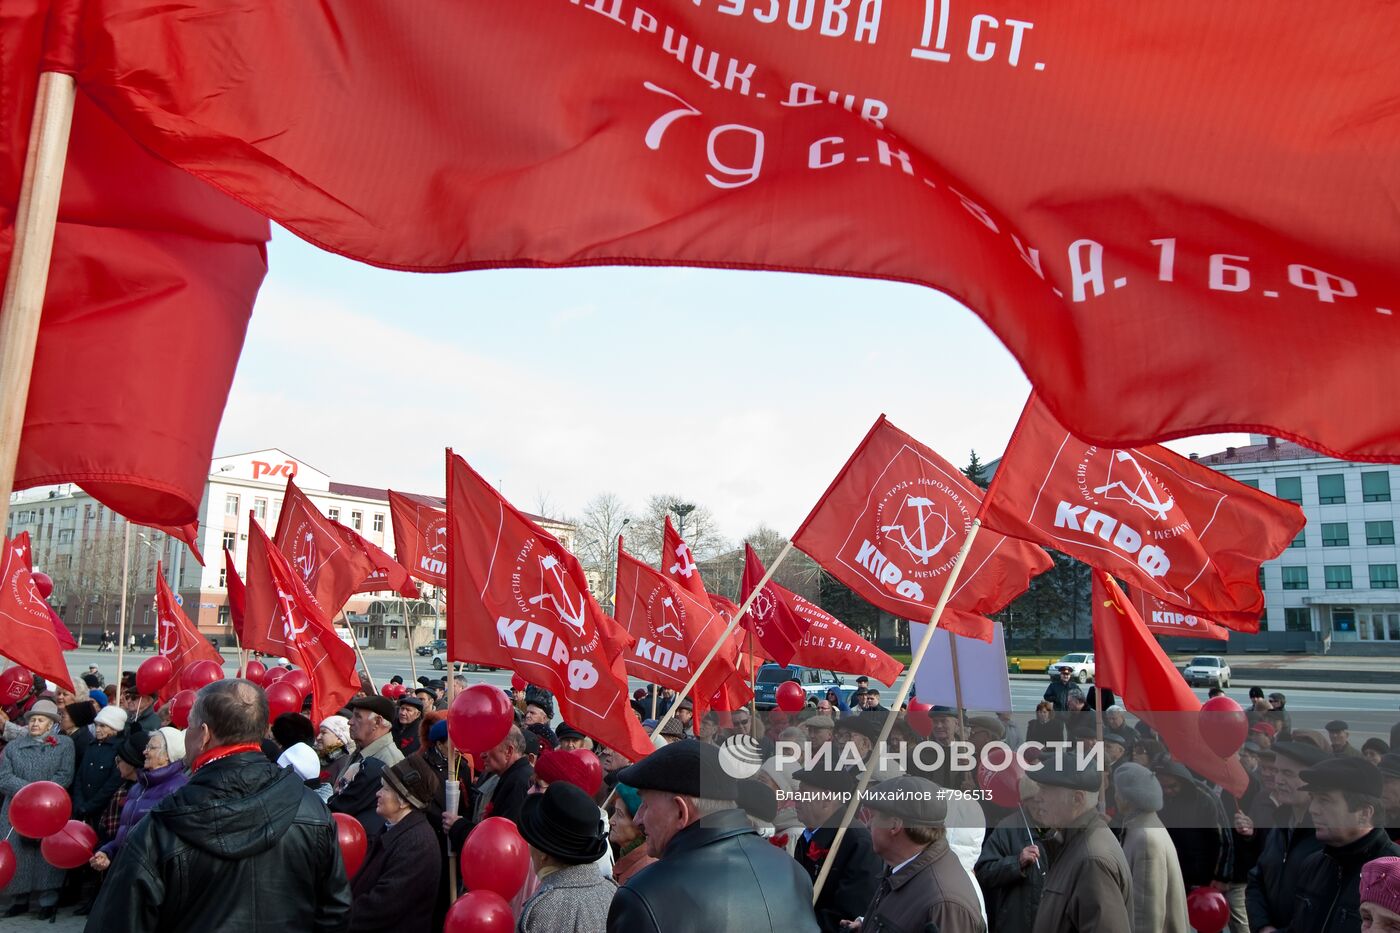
(243,846)
(1274,878)
(714,871)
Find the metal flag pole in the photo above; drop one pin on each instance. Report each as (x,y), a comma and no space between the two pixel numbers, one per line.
(900,696)
(408,633)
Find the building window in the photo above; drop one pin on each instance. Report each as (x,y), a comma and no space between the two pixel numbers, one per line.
(357,520)
(1261,576)
(231,504)
(1289,489)
(260,509)
(1300,541)
(1331,489)
(1334,534)
(1295,578)
(333,514)
(71,511)
(378,521)
(1297,620)
(1251,483)
(1375,487)
(1338,577)
(1383,577)
(1380,532)
(223,577)
(65,535)
(223,615)
(230,542)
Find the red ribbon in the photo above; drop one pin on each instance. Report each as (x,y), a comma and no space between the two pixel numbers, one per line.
(223,751)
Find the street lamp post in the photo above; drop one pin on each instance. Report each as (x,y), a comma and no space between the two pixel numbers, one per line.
(682,509)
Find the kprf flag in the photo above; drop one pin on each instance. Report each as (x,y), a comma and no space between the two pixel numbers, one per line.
(60,631)
(177,638)
(890,527)
(1143,281)
(673,630)
(329,563)
(1181,531)
(388,573)
(285,620)
(516,598)
(770,617)
(26,632)
(150,286)
(1165,619)
(678,563)
(420,538)
(830,644)
(981,670)
(237,597)
(1129,662)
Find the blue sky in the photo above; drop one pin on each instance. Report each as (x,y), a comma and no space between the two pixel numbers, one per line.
(744,391)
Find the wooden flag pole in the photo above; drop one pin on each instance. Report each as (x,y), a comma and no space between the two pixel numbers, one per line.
(452,794)
(957,685)
(1098,738)
(355,643)
(121,612)
(900,696)
(36,219)
(408,633)
(753,687)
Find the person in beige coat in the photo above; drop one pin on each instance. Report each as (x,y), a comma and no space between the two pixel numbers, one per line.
(1159,894)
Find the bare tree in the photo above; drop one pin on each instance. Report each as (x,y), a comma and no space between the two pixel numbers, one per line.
(644,534)
(724,572)
(604,518)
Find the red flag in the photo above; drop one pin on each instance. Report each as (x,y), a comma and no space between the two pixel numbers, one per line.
(27,634)
(177,638)
(285,620)
(890,527)
(1183,532)
(1132,665)
(237,597)
(330,566)
(830,644)
(388,573)
(420,538)
(150,287)
(516,598)
(673,629)
(1142,286)
(770,617)
(189,534)
(679,564)
(1165,619)
(60,631)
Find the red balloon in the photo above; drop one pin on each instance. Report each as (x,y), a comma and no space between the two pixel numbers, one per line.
(790,696)
(479,719)
(255,671)
(592,769)
(154,673)
(479,912)
(71,846)
(7,863)
(15,684)
(1207,910)
(282,698)
(200,674)
(1003,785)
(299,681)
(43,583)
(387,691)
(180,705)
(918,717)
(517,683)
(1224,726)
(40,809)
(351,837)
(495,858)
(273,675)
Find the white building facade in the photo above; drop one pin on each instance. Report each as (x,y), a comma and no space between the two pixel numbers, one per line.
(1336,588)
(80,543)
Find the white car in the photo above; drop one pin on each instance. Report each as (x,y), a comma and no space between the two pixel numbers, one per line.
(1207,670)
(1081,667)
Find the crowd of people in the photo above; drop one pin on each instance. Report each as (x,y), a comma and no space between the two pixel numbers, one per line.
(227,824)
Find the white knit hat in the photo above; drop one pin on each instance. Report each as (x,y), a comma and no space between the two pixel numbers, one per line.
(113,717)
(174,742)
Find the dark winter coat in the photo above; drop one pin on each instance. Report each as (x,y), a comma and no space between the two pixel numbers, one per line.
(1012,892)
(398,886)
(97,779)
(1274,880)
(853,878)
(933,892)
(151,788)
(1328,896)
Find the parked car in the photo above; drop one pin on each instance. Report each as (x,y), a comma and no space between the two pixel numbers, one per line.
(1207,670)
(1081,665)
(815,682)
(432,647)
(440,662)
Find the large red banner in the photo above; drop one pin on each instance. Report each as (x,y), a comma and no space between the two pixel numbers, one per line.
(830,644)
(420,538)
(1183,532)
(1112,187)
(324,554)
(27,634)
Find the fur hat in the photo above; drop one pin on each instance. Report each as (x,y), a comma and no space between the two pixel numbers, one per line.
(82,713)
(1137,789)
(290,728)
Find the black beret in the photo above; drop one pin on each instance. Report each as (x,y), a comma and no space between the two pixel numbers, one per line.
(835,779)
(868,726)
(1301,752)
(1067,770)
(1115,738)
(693,769)
(410,700)
(133,748)
(1338,725)
(375,704)
(1349,775)
(758,800)
(566,731)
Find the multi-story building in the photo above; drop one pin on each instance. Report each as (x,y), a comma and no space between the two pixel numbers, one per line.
(1336,587)
(81,544)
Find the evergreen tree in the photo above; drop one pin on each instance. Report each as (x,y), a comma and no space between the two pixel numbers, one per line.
(973,470)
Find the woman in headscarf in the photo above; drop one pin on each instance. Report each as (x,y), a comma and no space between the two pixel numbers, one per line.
(627,835)
(566,837)
(401,886)
(334,745)
(41,754)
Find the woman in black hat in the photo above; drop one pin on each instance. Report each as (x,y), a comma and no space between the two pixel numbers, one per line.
(565,832)
(402,885)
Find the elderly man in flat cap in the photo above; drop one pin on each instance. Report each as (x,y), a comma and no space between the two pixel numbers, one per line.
(1274,878)
(1089,886)
(823,795)
(714,871)
(924,887)
(1347,813)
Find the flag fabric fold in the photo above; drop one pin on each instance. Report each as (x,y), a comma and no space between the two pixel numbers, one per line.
(890,527)
(27,635)
(517,599)
(1183,532)
(830,644)
(420,538)
(770,617)
(329,558)
(1163,618)
(1130,663)
(177,638)
(237,597)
